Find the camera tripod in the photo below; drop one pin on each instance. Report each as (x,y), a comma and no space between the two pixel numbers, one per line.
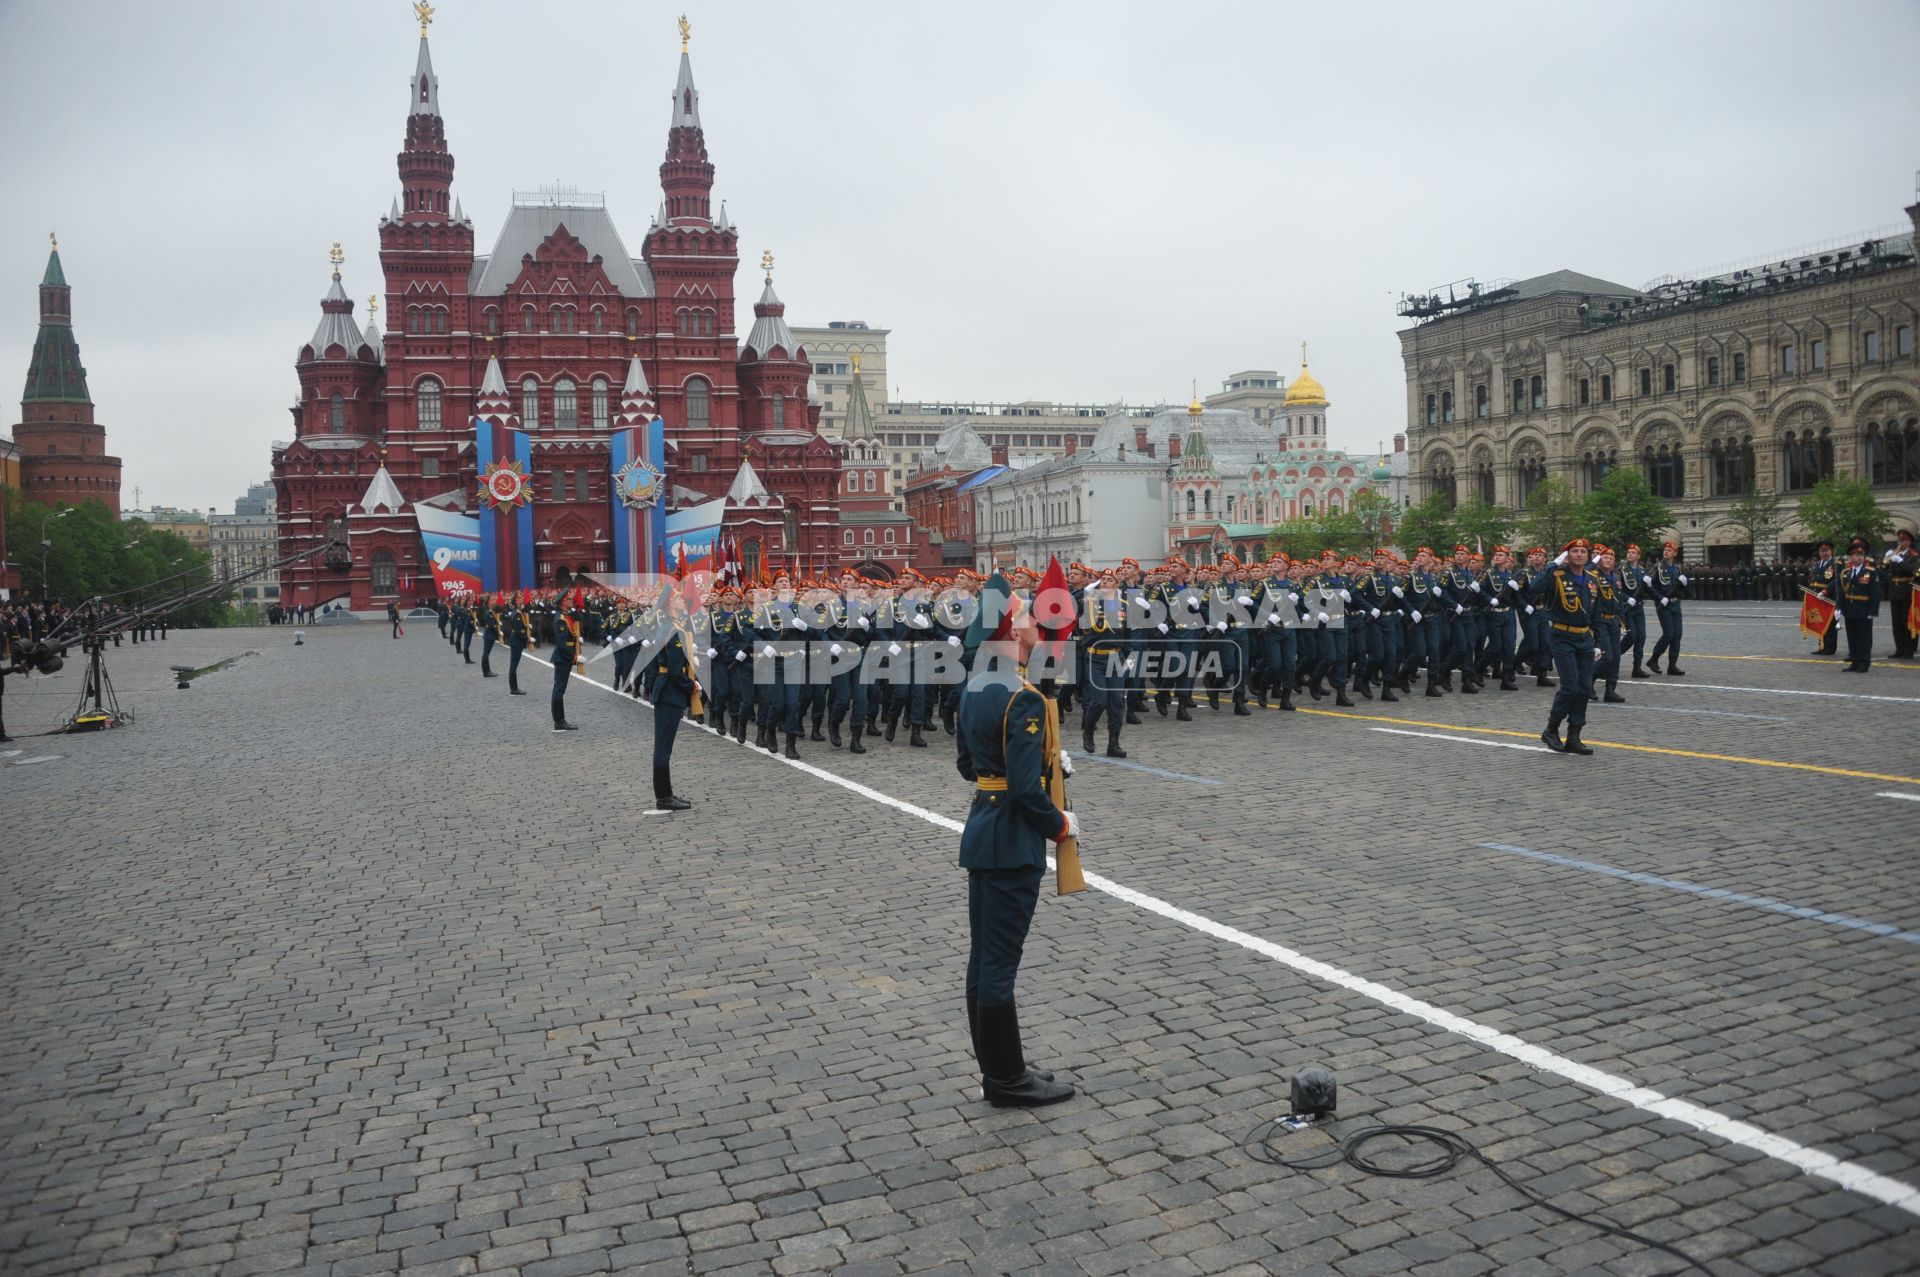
(97,687)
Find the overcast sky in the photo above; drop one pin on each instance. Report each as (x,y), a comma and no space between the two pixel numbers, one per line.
(1072,201)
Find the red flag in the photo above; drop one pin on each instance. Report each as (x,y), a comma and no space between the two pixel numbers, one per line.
(1053,610)
(1913,613)
(680,560)
(1816,614)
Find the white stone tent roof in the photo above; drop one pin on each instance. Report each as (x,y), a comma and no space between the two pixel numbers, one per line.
(382,494)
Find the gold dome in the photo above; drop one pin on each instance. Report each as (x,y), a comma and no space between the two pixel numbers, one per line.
(1306,392)
(1194,406)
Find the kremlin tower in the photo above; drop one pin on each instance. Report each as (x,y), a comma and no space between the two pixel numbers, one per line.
(63,453)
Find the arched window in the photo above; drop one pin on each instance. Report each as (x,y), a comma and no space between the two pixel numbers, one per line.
(440,319)
(386,577)
(889,535)
(1306,507)
(427,404)
(601,405)
(873,480)
(633,330)
(1667,381)
(1730,463)
(1480,399)
(1595,464)
(1519,395)
(493,321)
(336,413)
(868,537)
(1538,388)
(555,322)
(413,319)
(1483,480)
(426,241)
(853,481)
(1433,410)
(1808,457)
(1190,503)
(846,537)
(599,319)
(779,411)
(699,407)
(1665,470)
(1446,405)
(1206,500)
(526,319)
(566,405)
(529,404)
(1893,451)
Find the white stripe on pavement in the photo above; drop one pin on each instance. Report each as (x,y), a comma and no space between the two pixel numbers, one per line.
(1775,691)
(1912,798)
(1464,740)
(1849,1175)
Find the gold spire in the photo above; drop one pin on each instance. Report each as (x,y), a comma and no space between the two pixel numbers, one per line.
(373,305)
(686,32)
(423,11)
(856,363)
(1195,407)
(1305,390)
(335,256)
(766,264)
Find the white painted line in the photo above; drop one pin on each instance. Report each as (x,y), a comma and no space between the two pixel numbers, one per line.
(1464,740)
(1848,1175)
(1639,685)
(1711,713)
(11,753)
(1912,798)
(31,762)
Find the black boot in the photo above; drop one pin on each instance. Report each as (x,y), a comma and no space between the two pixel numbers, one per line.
(1540,677)
(1340,696)
(772,745)
(833,731)
(740,729)
(1613,696)
(664,799)
(816,731)
(793,738)
(1286,698)
(1469,686)
(1133,716)
(893,723)
(1113,741)
(1364,688)
(1313,685)
(1433,684)
(1161,701)
(1263,696)
(1183,714)
(513,686)
(1213,701)
(1673,668)
(1507,683)
(948,724)
(853,739)
(1240,709)
(973,1035)
(1640,671)
(1573,742)
(916,739)
(1551,737)
(1005,1079)
(1386,694)
(1086,734)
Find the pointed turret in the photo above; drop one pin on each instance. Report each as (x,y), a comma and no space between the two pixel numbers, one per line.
(383,493)
(493,401)
(747,487)
(636,397)
(56,373)
(372,330)
(426,85)
(426,165)
(337,325)
(859,421)
(686,175)
(721,223)
(770,331)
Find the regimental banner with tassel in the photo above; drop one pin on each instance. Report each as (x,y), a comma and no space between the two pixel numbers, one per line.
(1816,614)
(1068,876)
(1054,614)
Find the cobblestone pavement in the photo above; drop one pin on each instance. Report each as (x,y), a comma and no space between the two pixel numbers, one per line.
(342,962)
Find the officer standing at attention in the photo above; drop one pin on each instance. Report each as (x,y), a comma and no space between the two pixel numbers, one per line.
(489,634)
(1901,565)
(675,693)
(1823,578)
(1860,588)
(1566,595)
(1669,585)
(566,654)
(513,624)
(1005,748)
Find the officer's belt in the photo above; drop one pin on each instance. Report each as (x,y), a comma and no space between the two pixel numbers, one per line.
(1572,629)
(991,784)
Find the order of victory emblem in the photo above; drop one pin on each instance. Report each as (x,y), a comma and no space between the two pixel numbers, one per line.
(639,484)
(506,484)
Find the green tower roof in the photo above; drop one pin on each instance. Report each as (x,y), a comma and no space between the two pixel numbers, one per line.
(56,372)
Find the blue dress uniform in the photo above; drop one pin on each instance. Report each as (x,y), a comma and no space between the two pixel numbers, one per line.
(675,693)
(489,635)
(849,684)
(1378,609)
(1001,746)
(1462,627)
(566,654)
(1333,639)
(1566,595)
(769,672)
(514,624)
(1608,603)
(1281,643)
(1669,586)
(1860,593)
(1500,589)
(1426,629)
(439,610)
(1104,653)
(1635,587)
(1823,578)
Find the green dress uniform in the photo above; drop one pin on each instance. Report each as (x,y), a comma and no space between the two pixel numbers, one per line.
(1004,746)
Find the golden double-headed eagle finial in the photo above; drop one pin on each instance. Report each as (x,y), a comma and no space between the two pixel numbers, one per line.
(686,32)
(335,256)
(766,264)
(53,240)
(373,304)
(423,11)
(856,363)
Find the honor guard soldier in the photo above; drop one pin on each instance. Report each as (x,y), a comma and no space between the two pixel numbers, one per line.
(489,623)
(440,612)
(1607,606)
(1276,603)
(1424,602)
(1669,587)
(1635,587)
(1005,747)
(1900,565)
(1823,578)
(676,692)
(846,652)
(1860,588)
(566,654)
(1566,594)
(1374,591)
(1108,660)
(515,625)
(1502,589)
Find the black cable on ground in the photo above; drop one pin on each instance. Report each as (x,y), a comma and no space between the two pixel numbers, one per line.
(1451,1148)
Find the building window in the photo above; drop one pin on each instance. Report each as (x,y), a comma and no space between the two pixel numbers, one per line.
(1789,360)
(889,536)
(1646,381)
(1606,387)
(526,319)
(1207,500)
(1871,342)
(1730,462)
(867,536)
(698,406)
(529,404)
(873,480)
(633,321)
(1713,371)
(1806,458)
(559,486)
(1893,452)
(1539,388)
(385,577)
(566,405)
(779,411)
(427,404)
(1903,340)
(1446,405)
(853,481)
(493,321)
(1667,379)
(1586,391)
(1666,472)
(699,464)
(601,405)
(846,537)
(336,413)
(1532,468)
(1818,352)
(1433,412)
(1480,400)
(599,319)
(429,467)
(1739,366)
(1595,465)
(579,485)
(1519,401)
(1190,503)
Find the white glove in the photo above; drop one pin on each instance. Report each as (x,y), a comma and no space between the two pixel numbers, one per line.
(893,649)
(1399,593)
(767,651)
(1323,618)
(1273,618)
(834,649)
(1416,616)
(799,621)
(865,624)
(713,652)
(1162,627)
(1457,609)
(1560,559)
(1066,763)
(1244,601)
(1474,586)
(953,640)
(1373,614)
(739,656)
(919,621)
(1193,605)
(1294,597)
(1631,601)
(1529,609)
(646,642)
(1073,824)
(1663,603)
(1345,597)
(1128,667)
(1683,578)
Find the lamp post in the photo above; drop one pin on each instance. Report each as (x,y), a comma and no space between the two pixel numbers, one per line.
(46,544)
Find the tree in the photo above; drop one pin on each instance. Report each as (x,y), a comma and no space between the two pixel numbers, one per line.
(1375,514)
(1430,524)
(94,555)
(1553,515)
(1480,525)
(1306,537)
(1840,508)
(1758,514)
(1623,511)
